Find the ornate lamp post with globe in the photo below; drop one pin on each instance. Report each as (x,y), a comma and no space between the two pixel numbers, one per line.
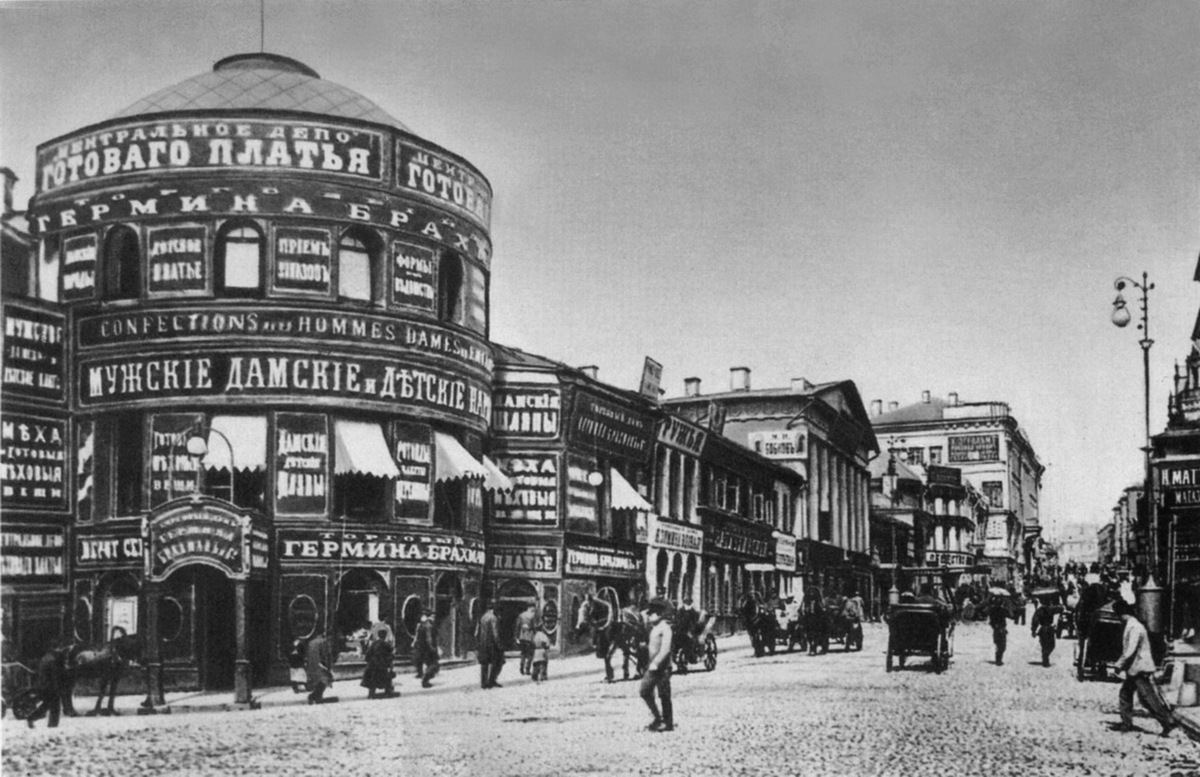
(1149,594)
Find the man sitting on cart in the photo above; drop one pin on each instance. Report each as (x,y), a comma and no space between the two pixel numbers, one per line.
(687,626)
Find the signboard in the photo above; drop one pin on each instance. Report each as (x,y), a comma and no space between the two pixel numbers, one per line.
(413,452)
(948,559)
(413,282)
(303,260)
(1179,483)
(603,426)
(526,412)
(445,180)
(301,463)
(674,536)
(524,561)
(173,473)
(730,539)
(534,498)
(651,379)
(119,150)
(176,258)
(377,548)
(108,548)
(358,329)
(79,268)
(581,495)
(785,553)
(782,444)
(973,448)
(112,380)
(943,476)
(594,560)
(31,552)
(197,534)
(322,200)
(676,433)
(33,352)
(32,462)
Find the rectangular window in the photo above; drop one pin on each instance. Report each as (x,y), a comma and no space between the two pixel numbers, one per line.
(128,455)
(354,274)
(935,454)
(242,264)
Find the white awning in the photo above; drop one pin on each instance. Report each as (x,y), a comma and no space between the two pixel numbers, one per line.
(246,436)
(625,496)
(361,449)
(453,461)
(496,480)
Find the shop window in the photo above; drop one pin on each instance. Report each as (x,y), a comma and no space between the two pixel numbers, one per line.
(361,497)
(121,607)
(450,288)
(824,526)
(238,260)
(48,269)
(759,508)
(302,616)
(128,456)
(364,471)
(235,460)
(358,258)
(358,600)
(450,504)
(122,264)
(410,615)
(935,454)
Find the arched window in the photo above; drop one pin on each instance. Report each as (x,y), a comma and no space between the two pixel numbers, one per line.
(122,264)
(358,263)
(238,259)
(450,287)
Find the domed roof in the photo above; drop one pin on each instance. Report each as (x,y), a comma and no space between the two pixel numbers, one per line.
(261,82)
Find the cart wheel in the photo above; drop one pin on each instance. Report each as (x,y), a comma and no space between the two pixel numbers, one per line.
(889,658)
(710,652)
(680,661)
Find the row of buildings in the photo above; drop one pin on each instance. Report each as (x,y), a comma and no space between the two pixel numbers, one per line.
(249,395)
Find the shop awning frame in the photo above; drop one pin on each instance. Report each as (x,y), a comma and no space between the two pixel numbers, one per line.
(360,448)
(242,437)
(496,480)
(625,496)
(454,462)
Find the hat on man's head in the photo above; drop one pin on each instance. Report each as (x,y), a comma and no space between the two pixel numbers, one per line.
(659,606)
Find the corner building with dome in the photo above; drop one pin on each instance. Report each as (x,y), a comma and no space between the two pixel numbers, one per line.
(278,376)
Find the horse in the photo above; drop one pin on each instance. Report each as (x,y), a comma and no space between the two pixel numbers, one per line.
(614,630)
(107,663)
(760,624)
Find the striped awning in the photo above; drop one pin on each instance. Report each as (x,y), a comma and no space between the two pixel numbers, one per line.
(361,449)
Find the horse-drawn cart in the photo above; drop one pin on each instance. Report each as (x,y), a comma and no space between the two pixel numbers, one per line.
(920,629)
(16,685)
(696,648)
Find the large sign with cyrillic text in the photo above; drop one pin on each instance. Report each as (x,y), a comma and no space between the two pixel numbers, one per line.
(597,424)
(382,548)
(119,379)
(79,268)
(974,447)
(526,412)
(121,150)
(194,533)
(33,363)
(534,498)
(30,554)
(176,258)
(413,279)
(301,463)
(592,560)
(32,462)
(303,260)
(445,180)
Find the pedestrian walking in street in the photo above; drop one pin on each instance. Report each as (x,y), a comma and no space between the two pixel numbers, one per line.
(999,614)
(1137,663)
(425,650)
(658,671)
(489,651)
(1019,605)
(380,653)
(296,658)
(541,654)
(319,658)
(525,626)
(48,684)
(1044,626)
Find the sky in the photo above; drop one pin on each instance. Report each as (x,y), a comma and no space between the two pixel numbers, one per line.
(909,195)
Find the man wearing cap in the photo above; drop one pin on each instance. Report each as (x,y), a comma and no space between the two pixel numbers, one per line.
(1138,665)
(658,671)
(425,652)
(489,651)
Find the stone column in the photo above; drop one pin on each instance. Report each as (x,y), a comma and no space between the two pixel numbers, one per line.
(814,489)
(154,667)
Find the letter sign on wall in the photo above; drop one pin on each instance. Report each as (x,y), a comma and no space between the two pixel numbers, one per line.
(79,268)
(303,258)
(176,257)
(301,463)
(412,276)
(413,451)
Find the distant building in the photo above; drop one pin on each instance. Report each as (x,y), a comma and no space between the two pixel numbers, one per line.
(985,442)
(822,432)
(1077,544)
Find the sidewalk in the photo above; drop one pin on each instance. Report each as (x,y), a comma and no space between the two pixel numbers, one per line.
(459,677)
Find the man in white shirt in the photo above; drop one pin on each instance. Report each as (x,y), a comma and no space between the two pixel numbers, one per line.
(658,671)
(1138,665)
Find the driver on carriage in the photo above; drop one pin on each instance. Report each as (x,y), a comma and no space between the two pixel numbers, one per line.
(687,627)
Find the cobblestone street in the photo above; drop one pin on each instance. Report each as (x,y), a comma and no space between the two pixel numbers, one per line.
(839,714)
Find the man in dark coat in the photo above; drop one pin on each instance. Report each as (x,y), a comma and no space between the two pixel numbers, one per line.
(49,683)
(489,651)
(1045,627)
(999,614)
(318,664)
(425,650)
(380,652)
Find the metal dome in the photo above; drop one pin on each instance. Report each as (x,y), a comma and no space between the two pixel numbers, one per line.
(261,82)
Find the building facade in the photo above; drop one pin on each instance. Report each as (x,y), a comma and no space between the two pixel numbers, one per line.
(985,443)
(821,432)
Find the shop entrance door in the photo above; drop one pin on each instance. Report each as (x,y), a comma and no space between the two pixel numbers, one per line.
(448,619)
(216,628)
(513,598)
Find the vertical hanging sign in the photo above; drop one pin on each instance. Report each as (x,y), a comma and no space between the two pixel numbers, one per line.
(303,260)
(651,379)
(301,463)
(412,276)
(173,472)
(176,257)
(413,451)
(79,268)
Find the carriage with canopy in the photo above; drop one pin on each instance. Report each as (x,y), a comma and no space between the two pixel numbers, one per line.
(920,630)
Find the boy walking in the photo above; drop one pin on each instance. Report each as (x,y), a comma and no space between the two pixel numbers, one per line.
(541,654)
(658,671)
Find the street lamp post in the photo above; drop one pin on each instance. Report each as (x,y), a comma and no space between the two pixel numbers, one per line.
(1150,594)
